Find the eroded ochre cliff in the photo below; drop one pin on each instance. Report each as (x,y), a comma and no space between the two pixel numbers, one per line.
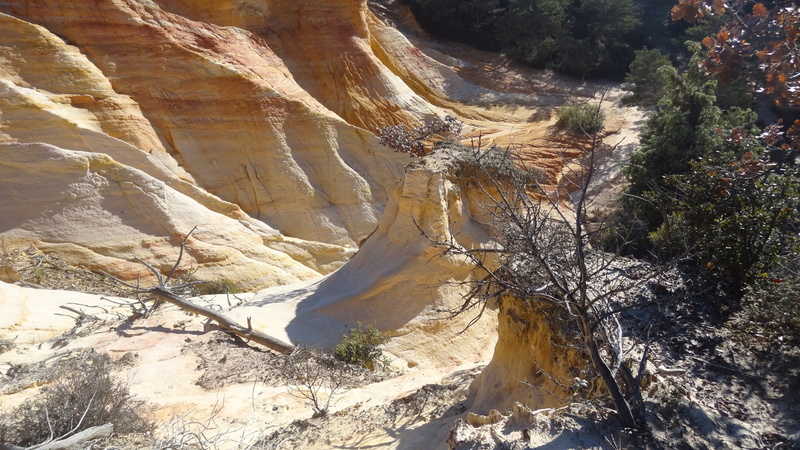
(206,108)
(124,124)
(260,111)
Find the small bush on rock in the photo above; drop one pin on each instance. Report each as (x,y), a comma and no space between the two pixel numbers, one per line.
(413,141)
(315,378)
(361,346)
(581,119)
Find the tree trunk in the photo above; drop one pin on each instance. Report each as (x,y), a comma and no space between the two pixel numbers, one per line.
(623,408)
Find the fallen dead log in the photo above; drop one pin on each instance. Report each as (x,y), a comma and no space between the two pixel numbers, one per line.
(223,321)
(164,292)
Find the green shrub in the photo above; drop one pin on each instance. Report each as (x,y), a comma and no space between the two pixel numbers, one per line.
(738,217)
(466,163)
(581,119)
(216,288)
(683,128)
(40,274)
(770,308)
(361,346)
(646,80)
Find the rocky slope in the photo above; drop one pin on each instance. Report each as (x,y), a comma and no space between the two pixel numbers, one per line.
(126,123)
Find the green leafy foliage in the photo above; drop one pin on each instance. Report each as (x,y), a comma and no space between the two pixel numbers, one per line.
(753,38)
(588,37)
(40,274)
(706,184)
(534,32)
(739,216)
(685,127)
(581,119)
(604,37)
(361,346)
(646,76)
(771,309)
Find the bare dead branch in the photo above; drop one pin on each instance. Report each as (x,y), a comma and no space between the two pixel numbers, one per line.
(128,285)
(152,269)
(165,293)
(75,441)
(222,320)
(180,255)
(81,314)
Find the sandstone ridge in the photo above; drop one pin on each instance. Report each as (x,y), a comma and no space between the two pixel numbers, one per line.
(213,112)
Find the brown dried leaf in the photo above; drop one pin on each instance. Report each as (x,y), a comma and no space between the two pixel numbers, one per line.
(688,10)
(759,10)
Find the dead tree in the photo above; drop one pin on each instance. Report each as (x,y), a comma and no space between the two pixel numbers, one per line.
(315,379)
(67,441)
(544,255)
(169,293)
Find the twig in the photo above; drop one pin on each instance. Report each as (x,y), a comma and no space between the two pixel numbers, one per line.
(81,314)
(90,306)
(180,255)
(725,369)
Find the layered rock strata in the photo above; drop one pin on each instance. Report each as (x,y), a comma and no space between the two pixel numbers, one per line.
(207,109)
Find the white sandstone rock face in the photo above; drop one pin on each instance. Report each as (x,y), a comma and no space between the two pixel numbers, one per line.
(398,282)
(101,212)
(125,124)
(30,316)
(232,115)
(263,111)
(531,363)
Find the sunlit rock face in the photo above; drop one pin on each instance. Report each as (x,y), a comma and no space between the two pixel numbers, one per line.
(532,363)
(260,112)
(125,124)
(94,211)
(399,281)
(328,48)
(415,287)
